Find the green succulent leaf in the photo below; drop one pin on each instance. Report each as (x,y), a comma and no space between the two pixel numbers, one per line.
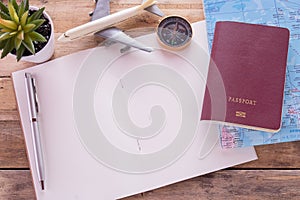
(12,12)
(13,33)
(8,24)
(2,45)
(28,28)
(5,36)
(37,23)
(4,15)
(2,26)
(3,8)
(18,42)
(28,43)
(20,35)
(36,15)
(9,46)
(35,36)
(24,19)
(5,30)
(21,9)
(15,5)
(20,52)
(26,3)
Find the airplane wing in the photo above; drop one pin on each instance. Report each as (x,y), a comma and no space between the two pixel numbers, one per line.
(116,35)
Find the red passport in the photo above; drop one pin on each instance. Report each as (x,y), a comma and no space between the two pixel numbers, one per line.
(245,83)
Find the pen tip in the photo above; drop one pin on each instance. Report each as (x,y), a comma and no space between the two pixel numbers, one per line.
(63,38)
(42,185)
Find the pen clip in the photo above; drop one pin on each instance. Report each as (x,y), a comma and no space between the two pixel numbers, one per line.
(32,96)
(35,96)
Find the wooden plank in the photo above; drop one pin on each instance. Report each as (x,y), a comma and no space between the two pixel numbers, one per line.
(282,155)
(7,95)
(226,184)
(12,147)
(236,184)
(9,115)
(16,185)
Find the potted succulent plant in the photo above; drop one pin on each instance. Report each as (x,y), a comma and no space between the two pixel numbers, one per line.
(26,32)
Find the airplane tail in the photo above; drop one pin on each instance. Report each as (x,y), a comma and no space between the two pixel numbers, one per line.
(150,6)
(147,3)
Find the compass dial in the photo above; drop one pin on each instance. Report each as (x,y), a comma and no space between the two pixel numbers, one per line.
(174,32)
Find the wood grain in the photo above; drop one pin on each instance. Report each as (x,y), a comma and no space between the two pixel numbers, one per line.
(16,185)
(12,146)
(233,184)
(236,184)
(8,101)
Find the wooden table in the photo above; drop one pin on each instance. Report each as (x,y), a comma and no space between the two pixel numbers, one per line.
(275,175)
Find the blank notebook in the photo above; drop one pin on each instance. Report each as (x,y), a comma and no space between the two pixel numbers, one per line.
(245,83)
(113,125)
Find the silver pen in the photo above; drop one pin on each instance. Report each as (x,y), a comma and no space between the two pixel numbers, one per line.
(36,140)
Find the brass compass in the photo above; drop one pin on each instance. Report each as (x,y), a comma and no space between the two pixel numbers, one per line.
(174,32)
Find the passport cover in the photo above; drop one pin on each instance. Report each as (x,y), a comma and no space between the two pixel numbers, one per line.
(250,60)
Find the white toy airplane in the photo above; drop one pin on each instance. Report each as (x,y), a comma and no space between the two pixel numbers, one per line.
(102,24)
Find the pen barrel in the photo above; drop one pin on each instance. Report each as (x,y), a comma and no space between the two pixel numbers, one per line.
(35,133)
(100,24)
(37,148)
